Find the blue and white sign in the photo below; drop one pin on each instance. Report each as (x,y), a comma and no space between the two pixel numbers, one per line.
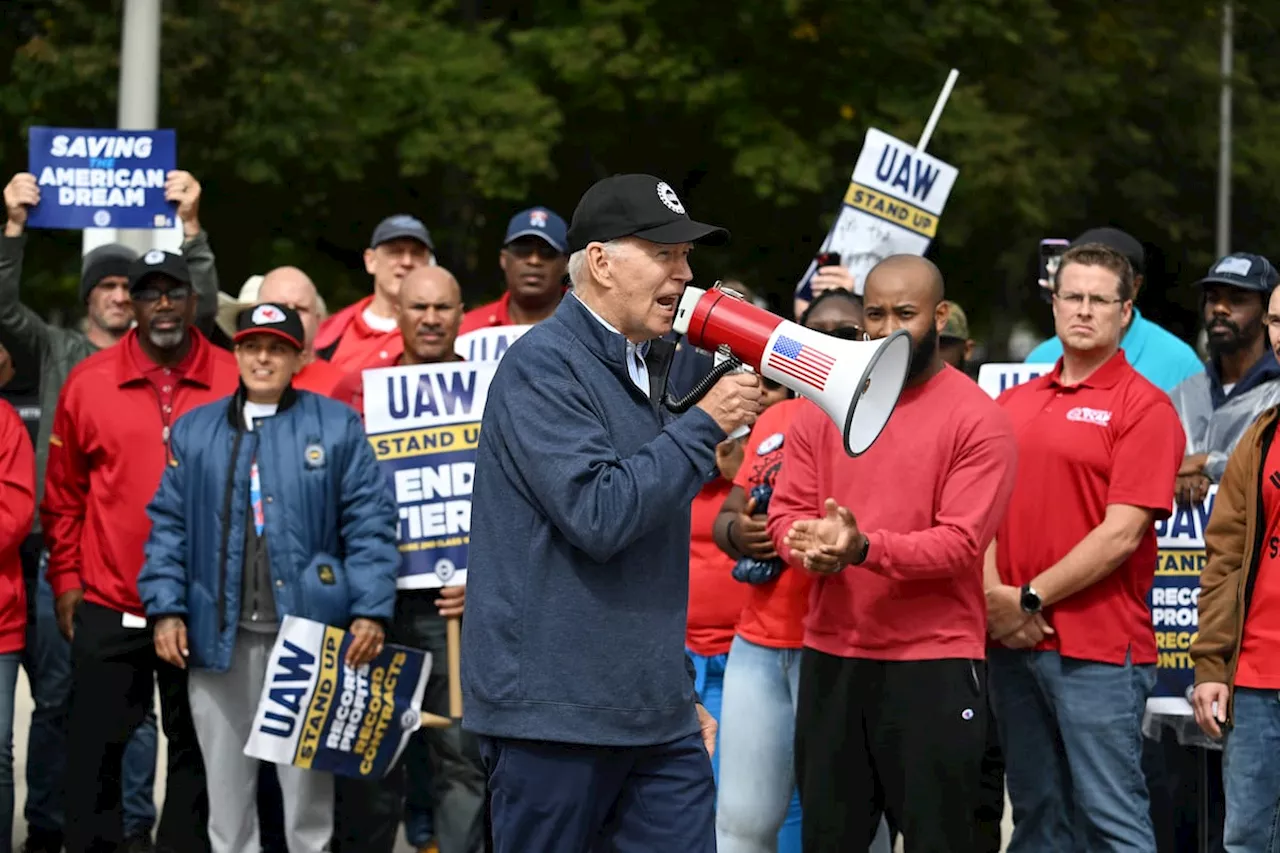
(891,207)
(101,178)
(488,345)
(996,378)
(317,713)
(424,424)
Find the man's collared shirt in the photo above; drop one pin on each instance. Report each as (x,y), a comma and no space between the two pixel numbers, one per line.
(636,367)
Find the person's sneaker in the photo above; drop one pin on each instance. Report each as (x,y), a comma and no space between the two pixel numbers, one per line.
(139,843)
(42,841)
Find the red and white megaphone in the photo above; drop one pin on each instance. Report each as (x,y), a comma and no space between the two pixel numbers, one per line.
(856,383)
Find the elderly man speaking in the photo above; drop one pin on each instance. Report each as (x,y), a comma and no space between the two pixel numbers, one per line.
(573,665)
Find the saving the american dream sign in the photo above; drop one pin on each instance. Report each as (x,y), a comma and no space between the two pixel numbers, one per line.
(424,423)
(317,713)
(101,178)
(1175,592)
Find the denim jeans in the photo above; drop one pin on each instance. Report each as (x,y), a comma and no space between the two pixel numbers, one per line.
(1071,731)
(757,806)
(708,681)
(1251,774)
(8,679)
(419,821)
(47,660)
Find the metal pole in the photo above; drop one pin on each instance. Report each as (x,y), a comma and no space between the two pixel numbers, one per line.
(1224,132)
(139,99)
(932,123)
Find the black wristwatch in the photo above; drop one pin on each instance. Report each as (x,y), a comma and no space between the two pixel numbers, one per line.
(862,553)
(1030,600)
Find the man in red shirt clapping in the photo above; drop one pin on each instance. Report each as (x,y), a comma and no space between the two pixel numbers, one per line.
(892,704)
(1099,448)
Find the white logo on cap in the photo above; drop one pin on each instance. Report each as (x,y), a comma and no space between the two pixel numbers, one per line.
(1234,266)
(155,256)
(538,219)
(669,197)
(267,314)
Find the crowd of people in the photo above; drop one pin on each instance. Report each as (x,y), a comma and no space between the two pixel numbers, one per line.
(672,639)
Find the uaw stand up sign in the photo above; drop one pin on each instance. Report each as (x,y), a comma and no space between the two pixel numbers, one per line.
(317,713)
(1175,592)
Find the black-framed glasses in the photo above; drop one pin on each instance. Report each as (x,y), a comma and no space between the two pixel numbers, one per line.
(176,294)
(522,249)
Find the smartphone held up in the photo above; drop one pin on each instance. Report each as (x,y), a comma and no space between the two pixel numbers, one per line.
(1051,250)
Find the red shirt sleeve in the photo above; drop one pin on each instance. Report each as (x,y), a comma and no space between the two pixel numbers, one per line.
(1146,458)
(17,481)
(795,493)
(975,494)
(66,492)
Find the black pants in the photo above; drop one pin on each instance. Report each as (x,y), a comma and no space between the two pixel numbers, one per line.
(905,738)
(368,813)
(990,811)
(114,670)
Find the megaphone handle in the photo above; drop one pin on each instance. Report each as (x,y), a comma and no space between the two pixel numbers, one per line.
(722,356)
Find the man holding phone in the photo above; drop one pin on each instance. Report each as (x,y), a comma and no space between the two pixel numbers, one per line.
(1161,357)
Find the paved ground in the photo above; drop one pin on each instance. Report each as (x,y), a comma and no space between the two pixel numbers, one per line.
(22,717)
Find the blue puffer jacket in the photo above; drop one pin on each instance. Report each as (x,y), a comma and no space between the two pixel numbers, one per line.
(330,521)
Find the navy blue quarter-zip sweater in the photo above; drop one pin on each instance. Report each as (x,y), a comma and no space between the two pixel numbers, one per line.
(578,571)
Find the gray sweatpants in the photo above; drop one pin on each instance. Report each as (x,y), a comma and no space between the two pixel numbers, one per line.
(223,705)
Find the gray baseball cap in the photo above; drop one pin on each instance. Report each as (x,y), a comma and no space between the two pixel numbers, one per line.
(401,226)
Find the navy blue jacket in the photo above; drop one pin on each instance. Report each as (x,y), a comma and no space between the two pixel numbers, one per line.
(578,570)
(329,516)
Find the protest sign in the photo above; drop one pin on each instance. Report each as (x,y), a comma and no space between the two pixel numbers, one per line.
(891,207)
(1174,601)
(488,345)
(996,378)
(317,713)
(101,178)
(424,422)
(1175,592)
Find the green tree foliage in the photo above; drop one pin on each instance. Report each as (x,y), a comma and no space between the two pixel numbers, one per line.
(309,120)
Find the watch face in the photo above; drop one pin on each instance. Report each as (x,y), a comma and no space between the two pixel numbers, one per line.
(1030,601)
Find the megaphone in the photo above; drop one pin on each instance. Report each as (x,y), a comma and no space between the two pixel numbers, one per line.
(857,383)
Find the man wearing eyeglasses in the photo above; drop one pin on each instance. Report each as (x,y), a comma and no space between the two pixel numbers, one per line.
(1073,656)
(107,451)
(534,260)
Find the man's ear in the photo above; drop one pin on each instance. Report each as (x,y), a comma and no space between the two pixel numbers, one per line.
(940,316)
(369,261)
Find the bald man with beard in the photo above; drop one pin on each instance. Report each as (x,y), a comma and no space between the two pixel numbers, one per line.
(428,312)
(292,287)
(892,709)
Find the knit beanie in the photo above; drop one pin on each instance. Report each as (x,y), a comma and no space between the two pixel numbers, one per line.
(111,259)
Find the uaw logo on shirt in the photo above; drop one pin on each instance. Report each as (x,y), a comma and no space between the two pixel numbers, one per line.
(1086,415)
(538,219)
(314,455)
(669,197)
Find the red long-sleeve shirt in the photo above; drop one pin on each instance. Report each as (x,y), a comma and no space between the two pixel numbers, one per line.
(929,494)
(108,449)
(17,506)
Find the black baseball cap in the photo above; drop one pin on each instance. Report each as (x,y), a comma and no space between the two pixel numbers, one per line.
(156,263)
(398,226)
(1114,238)
(270,318)
(1243,270)
(636,206)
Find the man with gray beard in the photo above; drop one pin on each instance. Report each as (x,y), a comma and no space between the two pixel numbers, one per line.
(107,450)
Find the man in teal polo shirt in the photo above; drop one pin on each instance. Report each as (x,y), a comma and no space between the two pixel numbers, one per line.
(1160,356)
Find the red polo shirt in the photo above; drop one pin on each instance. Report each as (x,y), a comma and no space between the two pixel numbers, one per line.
(108,449)
(496,313)
(319,377)
(715,598)
(359,345)
(1112,439)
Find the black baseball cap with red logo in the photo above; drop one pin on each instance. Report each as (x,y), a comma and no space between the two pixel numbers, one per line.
(270,318)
